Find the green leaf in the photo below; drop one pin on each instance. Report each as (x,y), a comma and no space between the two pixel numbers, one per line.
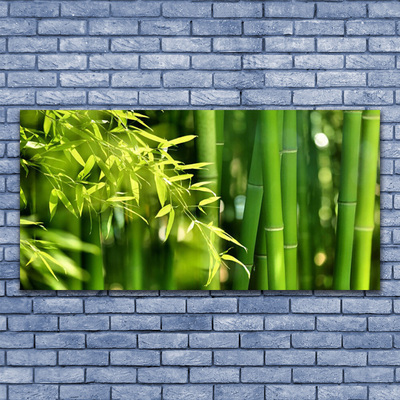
(164,211)
(180,177)
(79,198)
(77,156)
(161,190)
(47,264)
(147,135)
(121,198)
(222,234)
(53,203)
(213,271)
(170,224)
(135,189)
(209,200)
(106,171)
(23,198)
(228,257)
(89,164)
(199,184)
(179,140)
(47,123)
(199,165)
(65,201)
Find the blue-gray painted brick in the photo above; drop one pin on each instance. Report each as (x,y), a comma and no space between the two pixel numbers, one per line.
(135,322)
(179,98)
(12,217)
(111,340)
(368,97)
(341,323)
(84,323)
(367,341)
(193,45)
(238,357)
(214,62)
(164,61)
(186,323)
(83,357)
(263,305)
(165,27)
(214,340)
(238,80)
(88,45)
(32,323)
(217,97)
(84,79)
(110,375)
(344,392)
(216,27)
(387,44)
(16,340)
(261,96)
(135,44)
(384,357)
(185,9)
(114,27)
(261,340)
(179,392)
(369,374)
(32,79)
(260,28)
(62,61)
(18,306)
(113,61)
(31,357)
(90,391)
(346,10)
(366,306)
(61,27)
(109,96)
(238,10)
(365,27)
(384,10)
(239,323)
(109,306)
(341,45)
(236,392)
(16,375)
(32,45)
(17,61)
(186,357)
(136,392)
(290,357)
(162,375)
(19,26)
(386,323)
(265,375)
(290,392)
(187,79)
(135,9)
(137,79)
(318,27)
(36,9)
(57,306)
(162,340)
(317,375)
(319,61)
(237,45)
(60,341)
(289,79)
(135,357)
(310,96)
(60,375)
(342,358)
(289,323)
(370,61)
(288,45)
(85,9)
(267,61)
(32,392)
(214,375)
(317,340)
(287,10)
(212,305)
(64,97)
(383,78)
(3,323)
(324,306)
(342,78)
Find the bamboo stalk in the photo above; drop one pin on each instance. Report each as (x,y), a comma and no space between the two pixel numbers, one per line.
(306,272)
(220,141)
(289,197)
(251,217)
(135,270)
(347,199)
(259,276)
(207,152)
(272,199)
(364,219)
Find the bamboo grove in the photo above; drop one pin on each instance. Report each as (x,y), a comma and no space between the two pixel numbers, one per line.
(199,199)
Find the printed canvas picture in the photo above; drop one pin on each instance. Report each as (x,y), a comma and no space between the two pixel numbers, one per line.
(199,200)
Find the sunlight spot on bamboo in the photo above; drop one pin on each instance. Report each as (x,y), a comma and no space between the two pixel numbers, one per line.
(240,202)
(320,258)
(321,140)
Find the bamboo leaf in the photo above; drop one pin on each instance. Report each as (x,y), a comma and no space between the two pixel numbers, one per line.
(47,265)
(79,198)
(150,136)
(23,198)
(77,156)
(213,271)
(87,168)
(161,190)
(222,234)
(228,257)
(47,123)
(194,166)
(180,177)
(164,211)
(65,201)
(190,227)
(199,184)
(209,200)
(53,203)
(170,224)
(121,198)
(179,140)
(135,189)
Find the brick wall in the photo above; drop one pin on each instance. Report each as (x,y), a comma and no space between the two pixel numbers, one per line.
(199,345)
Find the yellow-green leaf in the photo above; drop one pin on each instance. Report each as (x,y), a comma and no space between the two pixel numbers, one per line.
(194,166)
(170,224)
(65,201)
(79,198)
(180,177)
(87,168)
(161,190)
(179,140)
(164,211)
(150,136)
(135,189)
(121,198)
(47,123)
(228,257)
(53,203)
(209,201)
(77,157)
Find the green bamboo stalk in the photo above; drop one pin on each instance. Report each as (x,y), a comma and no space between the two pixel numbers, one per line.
(306,270)
(273,199)
(251,217)
(220,141)
(347,199)
(207,152)
(93,264)
(280,116)
(259,276)
(289,197)
(364,219)
(135,270)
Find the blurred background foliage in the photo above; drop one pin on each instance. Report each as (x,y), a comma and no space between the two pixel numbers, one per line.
(118,252)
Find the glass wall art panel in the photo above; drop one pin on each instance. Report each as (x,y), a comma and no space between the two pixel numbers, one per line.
(200,200)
